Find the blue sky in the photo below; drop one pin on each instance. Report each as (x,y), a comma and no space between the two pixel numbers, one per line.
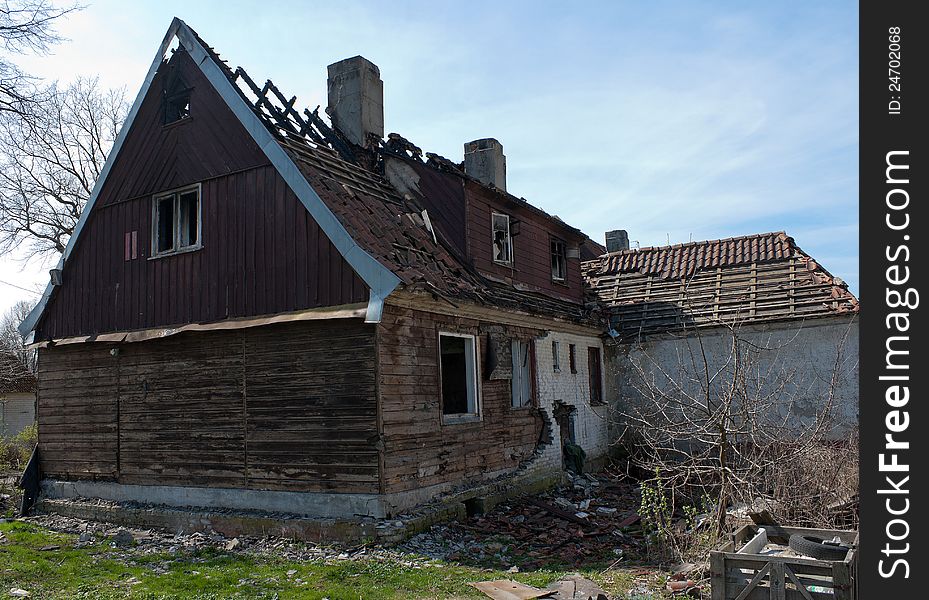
(674,120)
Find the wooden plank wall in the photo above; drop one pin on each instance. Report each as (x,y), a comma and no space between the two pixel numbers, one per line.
(262,252)
(76,411)
(531,247)
(419,450)
(284,407)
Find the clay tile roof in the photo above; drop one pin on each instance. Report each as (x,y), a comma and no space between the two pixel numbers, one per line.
(750,278)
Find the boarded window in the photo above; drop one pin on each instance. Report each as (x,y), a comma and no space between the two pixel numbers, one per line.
(502,240)
(559,261)
(556,357)
(176,222)
(522,374)
(572,357)
(596,379)
(458,374)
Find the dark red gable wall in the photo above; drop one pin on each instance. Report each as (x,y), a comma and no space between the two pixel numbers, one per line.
(531,247)
(262,252)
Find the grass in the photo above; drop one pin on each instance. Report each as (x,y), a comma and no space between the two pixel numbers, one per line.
(100,571)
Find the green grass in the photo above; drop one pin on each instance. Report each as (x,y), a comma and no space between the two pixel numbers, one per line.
(99,571)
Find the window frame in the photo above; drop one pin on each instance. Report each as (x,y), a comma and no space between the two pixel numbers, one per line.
(530,360)
(600,400)
(563,256)
(572,358)
(556,356)
(176,233)
(477,414)
(509,238)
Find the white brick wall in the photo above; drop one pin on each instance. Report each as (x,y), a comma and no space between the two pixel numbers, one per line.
(590,423)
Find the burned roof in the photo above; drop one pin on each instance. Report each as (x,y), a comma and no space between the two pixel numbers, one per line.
(753,278)
(393,229)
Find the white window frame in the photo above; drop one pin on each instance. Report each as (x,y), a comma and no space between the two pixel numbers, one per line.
(509,238)
(563,256)
(522,380)
(473,381)
(176,234)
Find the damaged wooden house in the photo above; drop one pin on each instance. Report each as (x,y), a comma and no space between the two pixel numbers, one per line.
(676,311)
(262,308)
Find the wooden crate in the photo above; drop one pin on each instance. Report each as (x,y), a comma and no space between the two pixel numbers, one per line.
(771,577)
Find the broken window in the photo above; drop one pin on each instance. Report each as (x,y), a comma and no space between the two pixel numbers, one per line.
(458,374)
(522,374)
(596,379)
(503,241)
(559,261)
(176,222)
(556,357)
(572,357)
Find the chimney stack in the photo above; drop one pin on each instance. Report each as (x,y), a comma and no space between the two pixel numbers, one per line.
(484,160)
(356,99)
(617,240)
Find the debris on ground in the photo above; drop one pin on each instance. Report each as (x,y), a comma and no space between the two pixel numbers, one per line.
(590,520)
(572,587)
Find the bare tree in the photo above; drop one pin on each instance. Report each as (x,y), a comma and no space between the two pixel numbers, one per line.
(26,26)
(49,164)
(726,420)
(12,342)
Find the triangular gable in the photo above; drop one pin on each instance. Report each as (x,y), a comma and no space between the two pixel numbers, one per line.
(379,278)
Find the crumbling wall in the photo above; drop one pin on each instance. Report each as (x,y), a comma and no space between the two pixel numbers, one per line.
(571,391)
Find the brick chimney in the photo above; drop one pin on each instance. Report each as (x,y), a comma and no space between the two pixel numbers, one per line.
(484,160)
(356,99)
(617,240)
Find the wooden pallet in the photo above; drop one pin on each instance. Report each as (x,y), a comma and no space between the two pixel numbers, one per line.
(747,576)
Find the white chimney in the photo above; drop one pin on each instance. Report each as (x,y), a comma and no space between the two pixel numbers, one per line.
(484,160)
(356,99)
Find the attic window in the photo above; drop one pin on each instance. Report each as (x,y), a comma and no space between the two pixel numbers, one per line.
(559,261)
(502,239)
(177,106)
(176,222)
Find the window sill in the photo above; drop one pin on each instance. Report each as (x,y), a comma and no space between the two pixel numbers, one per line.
(175,252)
(177,123)
(461,419)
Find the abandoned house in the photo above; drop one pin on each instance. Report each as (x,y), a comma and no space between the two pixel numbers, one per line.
(264,309)
(17,395)
(671,306)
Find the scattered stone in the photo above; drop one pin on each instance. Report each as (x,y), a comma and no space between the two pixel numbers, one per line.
(232,544)
(49,548)
(86,538)
(123,538)
(604,510)
(291,572)
(18,593)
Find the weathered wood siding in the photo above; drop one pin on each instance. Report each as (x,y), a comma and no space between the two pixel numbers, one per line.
(262,252)
(283,407)
(419,450)
(531,246)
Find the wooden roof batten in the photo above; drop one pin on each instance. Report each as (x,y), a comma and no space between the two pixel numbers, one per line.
(750,279)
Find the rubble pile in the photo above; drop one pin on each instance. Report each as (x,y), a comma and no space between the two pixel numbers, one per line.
(592,520)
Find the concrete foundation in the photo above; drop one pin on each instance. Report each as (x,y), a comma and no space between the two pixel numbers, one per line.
(312,504)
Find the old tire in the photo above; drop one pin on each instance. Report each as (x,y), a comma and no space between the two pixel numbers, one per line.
(815,547)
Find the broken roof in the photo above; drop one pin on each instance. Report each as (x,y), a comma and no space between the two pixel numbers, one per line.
(753,278)
(382,235)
